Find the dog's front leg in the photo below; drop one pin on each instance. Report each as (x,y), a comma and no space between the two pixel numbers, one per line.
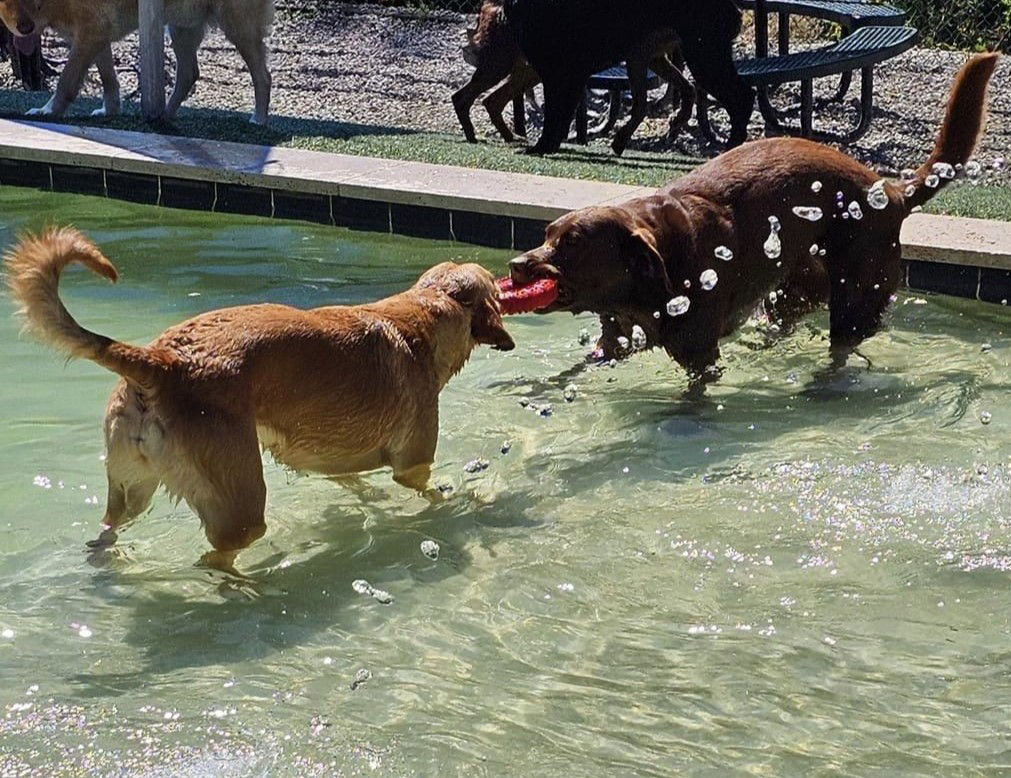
(69,84)
(110,84)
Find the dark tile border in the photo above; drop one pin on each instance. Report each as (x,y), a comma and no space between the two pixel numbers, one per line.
(78,180)
(185,193)
(420,221)
(995,285)
(248,200)
(940,277)
(135,187)
(15,172)
(369,215)
(302,206)
(484,229)
(992,285)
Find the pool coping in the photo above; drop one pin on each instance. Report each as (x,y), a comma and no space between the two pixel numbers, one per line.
(943,254)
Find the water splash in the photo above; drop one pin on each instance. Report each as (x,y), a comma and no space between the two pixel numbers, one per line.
(877,197)
(810,212)
(678,306)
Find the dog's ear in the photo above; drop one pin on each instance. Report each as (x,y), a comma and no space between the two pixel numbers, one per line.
(487,327)
(648,268)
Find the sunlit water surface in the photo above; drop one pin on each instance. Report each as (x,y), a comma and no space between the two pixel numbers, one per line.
(796,577)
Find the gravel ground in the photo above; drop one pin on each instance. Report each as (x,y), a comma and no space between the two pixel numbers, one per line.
(371,66)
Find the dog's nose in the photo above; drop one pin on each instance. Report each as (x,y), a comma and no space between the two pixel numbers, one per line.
(519,269)
(26,27)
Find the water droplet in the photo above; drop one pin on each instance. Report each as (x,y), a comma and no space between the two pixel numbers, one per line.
(361,586)
(84,631)
(774,224)
(944,170)
(656,314)
(638,337)
(810,212)
(623,343)
(973,169)
(877,197)
(546,410)
(910,190)
(986,417)
(7,634)
(773,296)
(569,393)
(506,446)
(986,347)
(708,279)
(822,252)
(816,186)
(361,677)
(476,465)
(855,211)
(932,181)
(678,306)
(908,174)
(687,284)
(773,247)
(584,336)
(724,253)
(430,549)
(813,250)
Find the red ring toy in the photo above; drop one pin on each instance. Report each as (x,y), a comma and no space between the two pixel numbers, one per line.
(527,298)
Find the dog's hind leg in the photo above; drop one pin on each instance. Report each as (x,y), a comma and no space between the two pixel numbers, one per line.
(861,289)
(247,36)
(133,480)
(222,481)
(110,84)
(185,42)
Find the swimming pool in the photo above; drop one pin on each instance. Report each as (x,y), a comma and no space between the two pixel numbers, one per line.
(793,577)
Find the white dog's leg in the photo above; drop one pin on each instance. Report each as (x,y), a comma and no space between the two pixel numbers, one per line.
(110,84)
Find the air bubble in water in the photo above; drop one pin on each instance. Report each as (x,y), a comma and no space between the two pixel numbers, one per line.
(932,181)
(944,170)
(638,338)
(722,252)
(678,306)
(708,279)
(362,676)
(877,197)
(810,212)
(816,186)
(430,549)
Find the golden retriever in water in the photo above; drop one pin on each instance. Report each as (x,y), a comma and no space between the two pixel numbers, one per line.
(336,390)
(91,26)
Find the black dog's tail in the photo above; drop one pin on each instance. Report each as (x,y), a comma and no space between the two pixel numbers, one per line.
(963,122)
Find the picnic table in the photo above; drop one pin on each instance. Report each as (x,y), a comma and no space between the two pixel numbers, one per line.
(872,33)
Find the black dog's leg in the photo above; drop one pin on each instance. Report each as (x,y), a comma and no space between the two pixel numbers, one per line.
(561,97)
(713,67)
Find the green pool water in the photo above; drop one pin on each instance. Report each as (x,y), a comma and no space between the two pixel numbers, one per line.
(795,577)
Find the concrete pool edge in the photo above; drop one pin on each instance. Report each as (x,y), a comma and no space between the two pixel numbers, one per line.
(956,256)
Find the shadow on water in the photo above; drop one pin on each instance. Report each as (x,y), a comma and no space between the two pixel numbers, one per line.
(293,603)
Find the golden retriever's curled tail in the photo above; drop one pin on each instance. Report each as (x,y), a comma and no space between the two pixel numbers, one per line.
(963,122)
(33,269)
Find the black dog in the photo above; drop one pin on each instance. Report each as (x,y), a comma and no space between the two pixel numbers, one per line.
(567,41)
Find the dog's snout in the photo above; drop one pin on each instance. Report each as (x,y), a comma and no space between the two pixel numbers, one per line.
(519,269)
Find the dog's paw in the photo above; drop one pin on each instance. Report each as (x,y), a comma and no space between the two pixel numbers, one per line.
(45,110)
(102,112)
(260,121)
(106,539)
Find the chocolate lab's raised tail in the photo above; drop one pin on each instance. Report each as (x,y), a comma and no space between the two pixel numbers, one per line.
(336,390)
(963,122)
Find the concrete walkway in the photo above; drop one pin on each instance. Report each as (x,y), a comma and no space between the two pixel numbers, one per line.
(937,239)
